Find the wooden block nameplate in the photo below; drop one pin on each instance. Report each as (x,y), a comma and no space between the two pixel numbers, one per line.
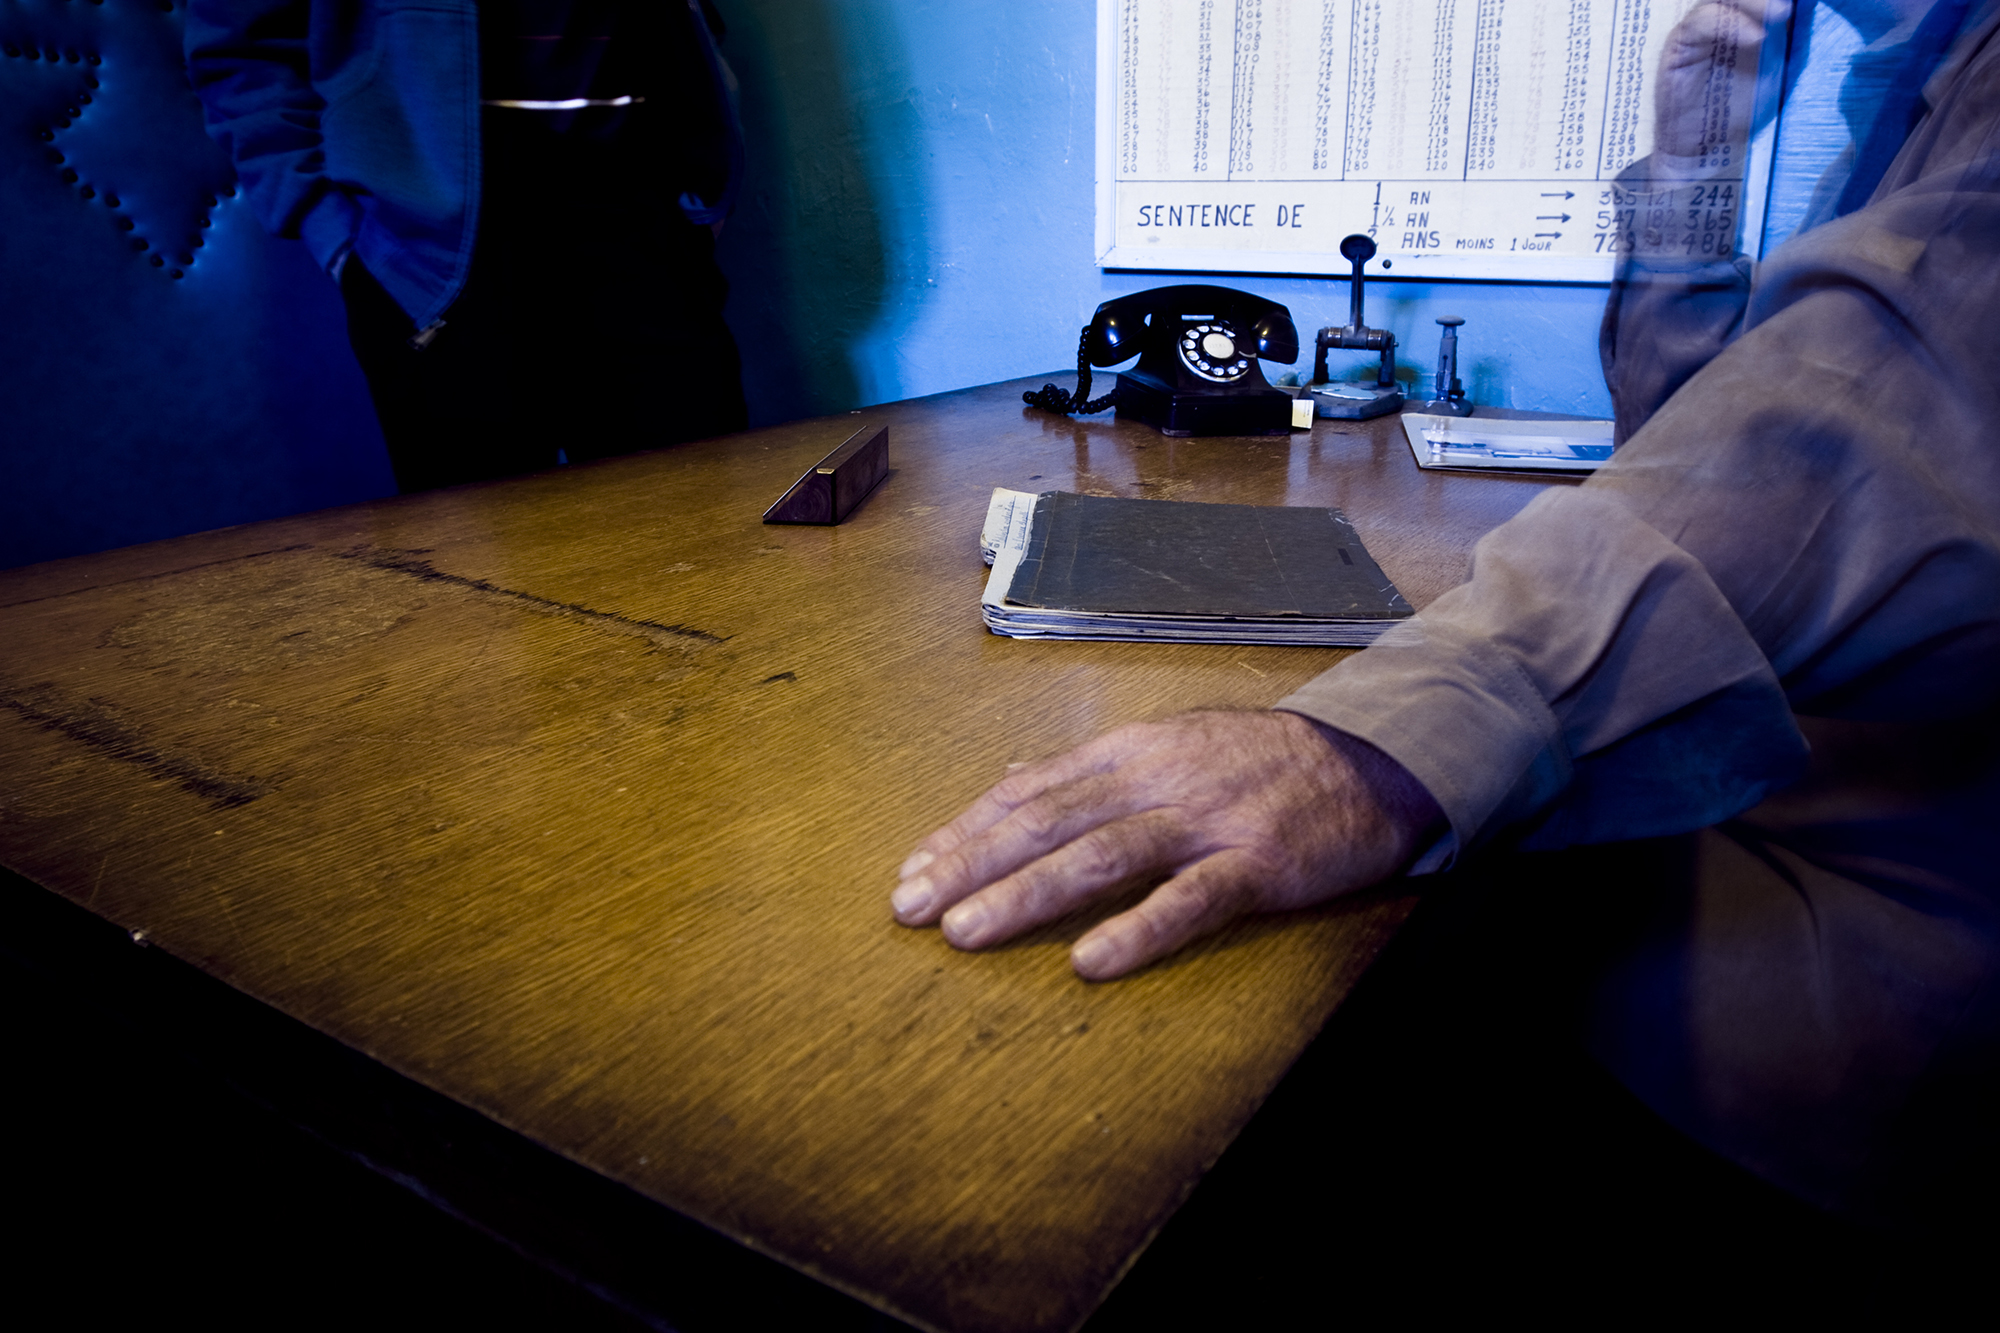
(832,488)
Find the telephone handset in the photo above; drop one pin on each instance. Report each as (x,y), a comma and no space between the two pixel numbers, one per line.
(1198,348)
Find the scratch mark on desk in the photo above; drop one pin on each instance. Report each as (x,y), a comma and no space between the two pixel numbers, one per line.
(161,574)
(507,747)
(92,726)
(397,562)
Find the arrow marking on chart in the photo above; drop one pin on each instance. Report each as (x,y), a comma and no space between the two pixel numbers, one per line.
(1553,235)
(1560,194)
(1552,217)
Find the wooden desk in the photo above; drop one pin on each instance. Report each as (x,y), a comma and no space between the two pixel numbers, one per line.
(578,798)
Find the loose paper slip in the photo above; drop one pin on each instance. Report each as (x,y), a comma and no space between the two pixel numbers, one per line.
(1090,567)
(1493,445)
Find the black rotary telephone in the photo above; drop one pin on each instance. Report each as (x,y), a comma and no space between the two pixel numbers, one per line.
(1198,349)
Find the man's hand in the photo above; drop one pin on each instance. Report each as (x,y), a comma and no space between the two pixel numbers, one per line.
(1708,66)
(1241,812)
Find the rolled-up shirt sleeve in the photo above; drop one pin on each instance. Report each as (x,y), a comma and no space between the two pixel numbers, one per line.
(1807,522)
(248,62)
(1590,674)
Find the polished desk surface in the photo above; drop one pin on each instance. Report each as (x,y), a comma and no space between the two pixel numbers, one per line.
(578,799)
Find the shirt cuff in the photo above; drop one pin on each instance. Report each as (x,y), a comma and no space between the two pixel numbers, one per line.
(1455,711)
(329,230)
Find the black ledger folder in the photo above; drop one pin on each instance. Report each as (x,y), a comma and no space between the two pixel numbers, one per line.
(1103,567)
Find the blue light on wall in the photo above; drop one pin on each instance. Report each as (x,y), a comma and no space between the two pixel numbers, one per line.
(918,218)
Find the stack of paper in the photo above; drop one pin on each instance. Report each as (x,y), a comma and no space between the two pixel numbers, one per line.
(1494,445)
(1092,567)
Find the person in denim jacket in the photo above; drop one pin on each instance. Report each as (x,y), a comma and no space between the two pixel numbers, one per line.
(519,200)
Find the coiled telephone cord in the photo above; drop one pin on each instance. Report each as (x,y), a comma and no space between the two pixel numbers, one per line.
(1052,399)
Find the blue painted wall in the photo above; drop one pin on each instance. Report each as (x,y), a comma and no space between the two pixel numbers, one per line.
(920,217)
(921,205)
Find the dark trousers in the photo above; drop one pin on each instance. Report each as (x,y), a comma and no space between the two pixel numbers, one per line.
(1447,1152)
(591,323)
(1807,989)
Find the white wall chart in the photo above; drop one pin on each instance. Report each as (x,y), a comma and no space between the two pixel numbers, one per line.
(1470,138)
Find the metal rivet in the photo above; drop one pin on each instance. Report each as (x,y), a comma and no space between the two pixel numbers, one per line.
(72,57)
(48,135)
(111,201)
(138,243)
(62,122)
(83,98)
(56,157)
(125,224)
(174,273)
(197,242)
(229,192)
(158,262)
(69,175)
(13,50)
(89,193)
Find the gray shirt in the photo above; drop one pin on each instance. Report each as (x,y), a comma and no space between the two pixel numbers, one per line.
(1803,518)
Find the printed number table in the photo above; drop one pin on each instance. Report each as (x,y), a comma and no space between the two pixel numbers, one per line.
(577,799)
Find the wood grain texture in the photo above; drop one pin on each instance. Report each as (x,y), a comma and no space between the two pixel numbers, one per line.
(578,798)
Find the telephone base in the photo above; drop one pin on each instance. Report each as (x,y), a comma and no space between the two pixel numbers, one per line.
(1180,414)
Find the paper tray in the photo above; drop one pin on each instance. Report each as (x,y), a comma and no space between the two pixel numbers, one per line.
(1493,444)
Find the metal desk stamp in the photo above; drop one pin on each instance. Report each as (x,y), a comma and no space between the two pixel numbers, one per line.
(1355,402)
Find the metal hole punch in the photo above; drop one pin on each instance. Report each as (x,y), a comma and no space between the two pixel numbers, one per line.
(1451,400)
(1355,402)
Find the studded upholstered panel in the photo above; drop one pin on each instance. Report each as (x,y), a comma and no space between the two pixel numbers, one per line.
(165,366)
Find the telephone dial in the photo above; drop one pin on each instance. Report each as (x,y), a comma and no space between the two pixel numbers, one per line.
(1198,348)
